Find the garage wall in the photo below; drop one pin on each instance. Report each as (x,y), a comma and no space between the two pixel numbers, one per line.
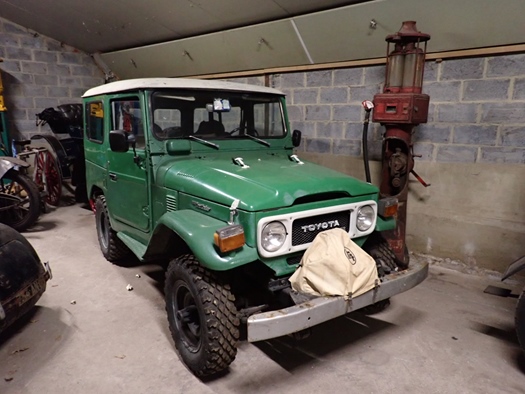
(473,150)
(37,73)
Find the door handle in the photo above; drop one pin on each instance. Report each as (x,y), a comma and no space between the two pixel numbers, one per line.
(112,176)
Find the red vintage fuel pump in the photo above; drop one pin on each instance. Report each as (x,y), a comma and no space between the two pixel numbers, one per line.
(400,108)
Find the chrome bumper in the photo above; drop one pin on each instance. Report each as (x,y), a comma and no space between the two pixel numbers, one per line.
(299,317)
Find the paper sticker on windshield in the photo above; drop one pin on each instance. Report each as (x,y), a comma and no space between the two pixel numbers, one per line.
(221,105)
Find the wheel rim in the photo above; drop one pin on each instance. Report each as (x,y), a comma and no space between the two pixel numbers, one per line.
(186,314)
(54,183)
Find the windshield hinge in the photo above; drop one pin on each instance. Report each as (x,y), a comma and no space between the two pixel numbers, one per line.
(296,159)
(240,162)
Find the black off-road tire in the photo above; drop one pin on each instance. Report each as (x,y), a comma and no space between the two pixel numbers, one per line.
(520,320)
(20,217)
(111,246)
(378,307)
(386,260)
(203,319)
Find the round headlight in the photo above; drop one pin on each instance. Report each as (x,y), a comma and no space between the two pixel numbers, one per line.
(273,236)
(365,217)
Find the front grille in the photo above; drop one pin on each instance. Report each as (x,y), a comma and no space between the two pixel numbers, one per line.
(304,230)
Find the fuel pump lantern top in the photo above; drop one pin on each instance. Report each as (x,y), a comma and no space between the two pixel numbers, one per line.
(402,100)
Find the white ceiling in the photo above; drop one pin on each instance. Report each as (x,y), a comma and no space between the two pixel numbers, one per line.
(108,25)
(169,38)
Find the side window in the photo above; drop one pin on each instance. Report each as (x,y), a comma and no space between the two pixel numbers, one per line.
(95,121)
(126,115)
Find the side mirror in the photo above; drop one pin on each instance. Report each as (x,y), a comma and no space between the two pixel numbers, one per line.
(118,141)
(296,138)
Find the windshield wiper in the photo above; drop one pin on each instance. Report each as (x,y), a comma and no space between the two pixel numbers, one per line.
(256,139)
(202,141)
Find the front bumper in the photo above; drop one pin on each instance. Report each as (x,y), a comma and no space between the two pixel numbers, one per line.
(273,324)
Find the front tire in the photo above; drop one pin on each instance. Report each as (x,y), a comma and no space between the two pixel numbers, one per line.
(378,307)
(202,317)
(386,262)
(520,320)
(111,246)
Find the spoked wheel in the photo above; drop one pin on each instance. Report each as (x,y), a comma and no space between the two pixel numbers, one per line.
(202,317)
(111,246)
(19,201)
(47,175)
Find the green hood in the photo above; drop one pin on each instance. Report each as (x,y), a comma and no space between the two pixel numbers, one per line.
(271,181)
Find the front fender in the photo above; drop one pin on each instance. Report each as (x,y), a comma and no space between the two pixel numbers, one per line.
(514,268)
(196,231)
(7,163)
(385,224)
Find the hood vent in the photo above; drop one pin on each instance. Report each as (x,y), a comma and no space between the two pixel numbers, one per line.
(171,203)
(320,197)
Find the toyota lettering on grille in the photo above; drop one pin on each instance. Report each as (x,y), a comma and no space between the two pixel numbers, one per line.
(320,226)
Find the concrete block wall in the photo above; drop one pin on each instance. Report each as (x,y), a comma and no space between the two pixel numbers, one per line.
(39,72)
(479,106)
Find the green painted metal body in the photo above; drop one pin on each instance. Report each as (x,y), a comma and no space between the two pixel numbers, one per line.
(175,193)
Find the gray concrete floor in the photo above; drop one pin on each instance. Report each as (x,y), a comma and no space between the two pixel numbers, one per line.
(444,336)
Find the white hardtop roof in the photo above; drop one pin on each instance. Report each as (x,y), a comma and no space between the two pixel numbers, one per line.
(176,83)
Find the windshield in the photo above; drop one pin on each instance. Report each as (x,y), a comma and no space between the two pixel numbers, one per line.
(216,115)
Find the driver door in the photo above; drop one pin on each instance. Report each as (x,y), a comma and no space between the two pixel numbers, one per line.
(127,184)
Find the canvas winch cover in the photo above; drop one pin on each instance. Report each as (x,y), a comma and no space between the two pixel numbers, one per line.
(334,265)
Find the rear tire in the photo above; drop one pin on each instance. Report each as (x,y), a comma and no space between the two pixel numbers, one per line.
(21,194)
(520,320)
(202,317)
(111,246)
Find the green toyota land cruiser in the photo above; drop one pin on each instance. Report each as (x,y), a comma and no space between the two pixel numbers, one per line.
(203,174)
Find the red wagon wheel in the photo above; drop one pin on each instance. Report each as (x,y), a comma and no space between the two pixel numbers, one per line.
(48,175)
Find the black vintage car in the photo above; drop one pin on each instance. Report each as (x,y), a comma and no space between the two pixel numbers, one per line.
(23,276)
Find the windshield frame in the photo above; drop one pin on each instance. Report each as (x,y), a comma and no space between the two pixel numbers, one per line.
(192,99)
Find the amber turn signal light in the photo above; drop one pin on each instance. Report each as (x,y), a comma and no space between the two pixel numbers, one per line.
(387,207)
(229,238)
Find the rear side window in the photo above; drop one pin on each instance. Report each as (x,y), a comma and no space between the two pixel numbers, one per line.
(95,121)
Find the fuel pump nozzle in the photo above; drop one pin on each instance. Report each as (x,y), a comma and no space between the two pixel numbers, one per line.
(368,106)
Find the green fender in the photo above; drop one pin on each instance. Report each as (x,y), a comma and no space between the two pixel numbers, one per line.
(385,224)
(186,228)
